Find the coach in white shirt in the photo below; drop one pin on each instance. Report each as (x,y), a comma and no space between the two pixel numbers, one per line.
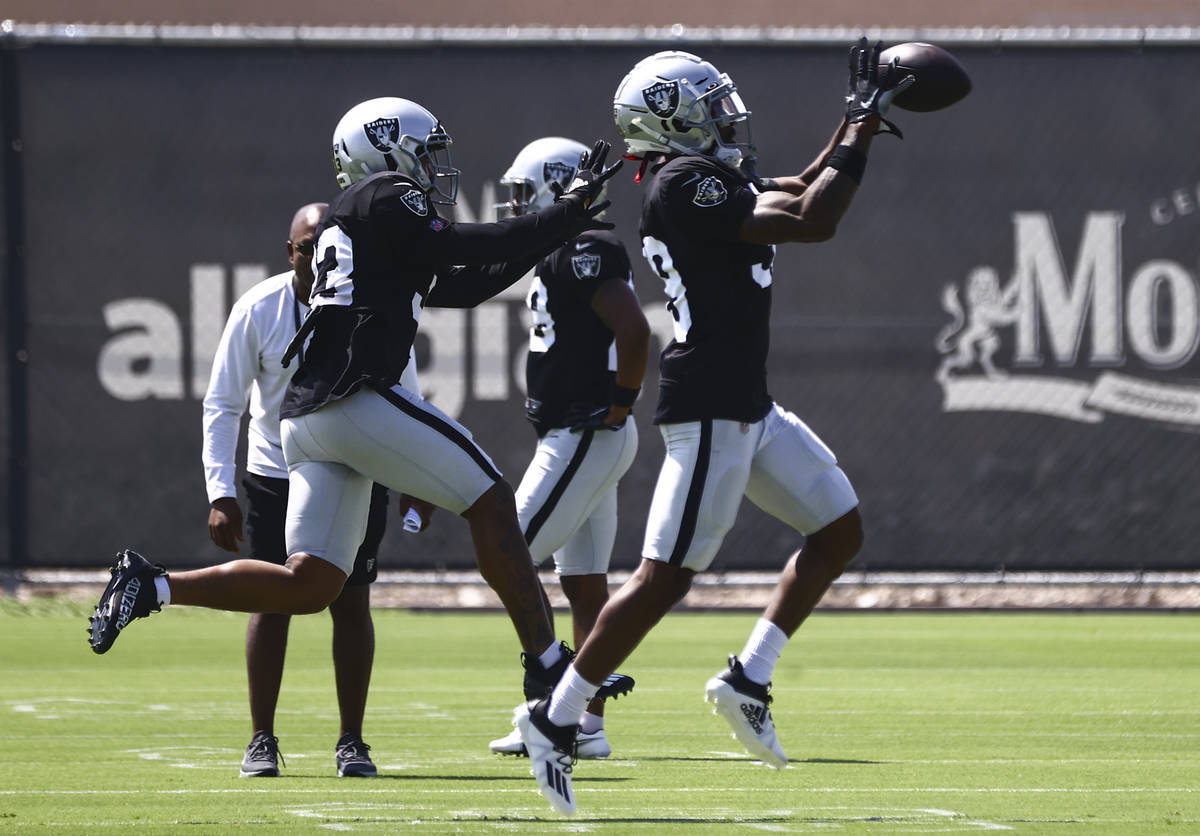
(247,369)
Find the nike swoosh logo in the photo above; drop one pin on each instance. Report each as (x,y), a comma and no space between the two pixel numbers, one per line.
(691,180)
(583,246)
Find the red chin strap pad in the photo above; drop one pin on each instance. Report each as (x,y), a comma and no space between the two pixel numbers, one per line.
(637,178)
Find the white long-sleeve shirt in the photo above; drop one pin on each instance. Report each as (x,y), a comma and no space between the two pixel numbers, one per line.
(247,369)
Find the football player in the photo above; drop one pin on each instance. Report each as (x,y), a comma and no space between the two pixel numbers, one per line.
(588,346)
(348,421)
(709,227)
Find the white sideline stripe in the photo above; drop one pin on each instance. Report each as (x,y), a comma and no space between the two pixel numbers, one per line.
(324,790)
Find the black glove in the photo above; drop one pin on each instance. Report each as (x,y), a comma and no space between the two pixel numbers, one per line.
(587,416)
(868,94)
(588,185)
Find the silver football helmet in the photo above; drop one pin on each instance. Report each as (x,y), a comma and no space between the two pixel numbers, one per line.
(551,159)
(392,134)
(678,103)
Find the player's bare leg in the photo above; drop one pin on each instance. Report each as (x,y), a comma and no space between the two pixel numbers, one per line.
(812,569)
(587,595)
(504,561)
(629,615)
(266,647)
(353,654)
(304,584)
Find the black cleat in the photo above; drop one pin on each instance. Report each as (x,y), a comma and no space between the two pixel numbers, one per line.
(352,758)
(262,757)
(130,594)
(614,685)
(540,681)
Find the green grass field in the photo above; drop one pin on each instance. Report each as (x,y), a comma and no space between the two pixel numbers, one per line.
(895,723)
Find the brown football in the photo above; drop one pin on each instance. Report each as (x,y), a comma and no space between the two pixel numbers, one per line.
(941,80)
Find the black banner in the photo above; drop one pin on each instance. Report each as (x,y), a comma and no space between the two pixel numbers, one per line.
(999,344)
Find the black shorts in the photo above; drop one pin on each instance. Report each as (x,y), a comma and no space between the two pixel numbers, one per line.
(266,500)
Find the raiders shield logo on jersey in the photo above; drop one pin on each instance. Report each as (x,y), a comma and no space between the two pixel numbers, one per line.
(710,192)
(586,266)
(561,173)
(414,199)
(383,133)
(662,98)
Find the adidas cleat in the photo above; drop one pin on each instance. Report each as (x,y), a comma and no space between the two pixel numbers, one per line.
(745,705)
(551,753)
(130,594)
(615,685)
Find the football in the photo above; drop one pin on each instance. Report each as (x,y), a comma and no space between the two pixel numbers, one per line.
(941,80)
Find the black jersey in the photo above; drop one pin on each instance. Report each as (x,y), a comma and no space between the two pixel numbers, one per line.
(572,358)
(379,246)
(718,292)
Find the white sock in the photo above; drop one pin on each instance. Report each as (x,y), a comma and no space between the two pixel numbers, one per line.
(591,723)
(762,651)
(552,654)
(570,698)
(163,589)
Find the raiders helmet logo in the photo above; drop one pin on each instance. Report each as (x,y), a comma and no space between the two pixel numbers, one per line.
(662,98)
(710,192)
(414,199)
(586,266)
(558,172)
(383,133)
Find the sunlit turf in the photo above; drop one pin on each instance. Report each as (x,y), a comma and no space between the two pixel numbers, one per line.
(895,723)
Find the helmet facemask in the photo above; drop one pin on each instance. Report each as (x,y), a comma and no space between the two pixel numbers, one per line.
(429,164)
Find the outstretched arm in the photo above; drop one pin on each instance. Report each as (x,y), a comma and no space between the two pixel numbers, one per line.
(796,184)
(813,212)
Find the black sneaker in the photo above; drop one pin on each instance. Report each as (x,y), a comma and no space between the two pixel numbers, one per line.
(262,757)
(352,758)
(540,681)
(130,594)
(551,751)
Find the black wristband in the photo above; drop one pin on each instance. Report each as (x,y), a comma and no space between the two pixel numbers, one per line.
(850,161)
(623,395)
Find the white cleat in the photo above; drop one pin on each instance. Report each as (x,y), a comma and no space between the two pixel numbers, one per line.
(745,705)
(551,751)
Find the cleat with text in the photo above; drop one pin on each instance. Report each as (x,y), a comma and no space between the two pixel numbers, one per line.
(745,705)
(130,594)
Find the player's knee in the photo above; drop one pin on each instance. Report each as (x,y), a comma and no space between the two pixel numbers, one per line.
(316,583)
(836,544)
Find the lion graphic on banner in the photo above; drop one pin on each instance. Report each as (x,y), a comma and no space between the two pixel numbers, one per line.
(971,336)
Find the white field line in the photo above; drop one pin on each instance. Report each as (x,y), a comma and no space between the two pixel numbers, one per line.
(324,789)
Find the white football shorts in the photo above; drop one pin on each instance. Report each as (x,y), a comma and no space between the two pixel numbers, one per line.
(393,437)
(778,462)
(567,500)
